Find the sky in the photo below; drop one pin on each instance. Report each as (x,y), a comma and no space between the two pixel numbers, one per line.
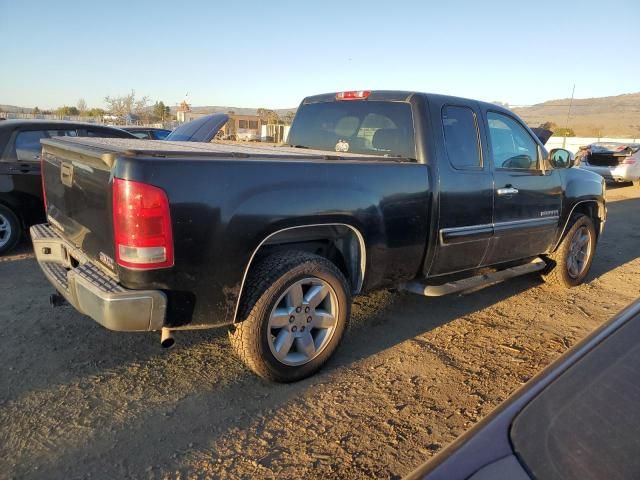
(271,54)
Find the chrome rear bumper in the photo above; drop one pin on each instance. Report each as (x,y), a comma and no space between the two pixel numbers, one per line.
(91,291)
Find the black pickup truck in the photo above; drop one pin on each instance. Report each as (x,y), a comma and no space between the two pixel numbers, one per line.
(429,193)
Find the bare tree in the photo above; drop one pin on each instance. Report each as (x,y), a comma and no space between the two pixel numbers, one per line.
(268,116)
(126,104)
(82,106)
(288,117)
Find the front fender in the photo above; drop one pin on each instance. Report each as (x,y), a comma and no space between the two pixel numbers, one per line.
(582,190)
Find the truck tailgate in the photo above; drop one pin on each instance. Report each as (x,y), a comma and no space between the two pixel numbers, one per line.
(77,187)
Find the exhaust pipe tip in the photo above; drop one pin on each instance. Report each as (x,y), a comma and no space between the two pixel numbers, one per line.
(166,338)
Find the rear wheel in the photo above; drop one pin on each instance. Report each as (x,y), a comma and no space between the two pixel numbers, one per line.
(570,263)
(293,315)
(10,230)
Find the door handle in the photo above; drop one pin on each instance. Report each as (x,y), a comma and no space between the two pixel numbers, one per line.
(507,191)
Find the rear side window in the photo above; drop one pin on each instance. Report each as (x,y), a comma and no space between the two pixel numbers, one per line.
(28,145)
(511,145)
(368,127)
(63,133)
(461,137)
(104,134)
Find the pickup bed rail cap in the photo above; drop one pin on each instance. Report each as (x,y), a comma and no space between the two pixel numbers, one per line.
(108,148)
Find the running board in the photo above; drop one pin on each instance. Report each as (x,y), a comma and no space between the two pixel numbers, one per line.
(473,282)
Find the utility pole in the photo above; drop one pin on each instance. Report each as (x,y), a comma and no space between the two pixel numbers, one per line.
(566,125)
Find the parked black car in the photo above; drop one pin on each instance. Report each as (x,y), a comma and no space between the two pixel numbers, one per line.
(21,202)
(432,193)
(578,419)
(148,133)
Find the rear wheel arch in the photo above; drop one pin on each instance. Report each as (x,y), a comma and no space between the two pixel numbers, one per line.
(341,243)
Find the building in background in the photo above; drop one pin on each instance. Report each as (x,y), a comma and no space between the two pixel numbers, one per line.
(183,112)
(242,127)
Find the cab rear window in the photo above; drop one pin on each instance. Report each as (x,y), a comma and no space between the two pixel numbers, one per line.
(368,127)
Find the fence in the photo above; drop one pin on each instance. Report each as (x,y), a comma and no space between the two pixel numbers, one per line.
(48,116)
(78,118)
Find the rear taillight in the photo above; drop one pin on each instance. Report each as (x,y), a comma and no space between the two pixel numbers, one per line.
(44,193)
(142,225)
(629,161)
(353,95)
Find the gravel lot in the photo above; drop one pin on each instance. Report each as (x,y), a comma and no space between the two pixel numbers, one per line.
(78,401)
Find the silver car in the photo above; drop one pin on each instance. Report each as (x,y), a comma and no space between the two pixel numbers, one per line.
(616,162)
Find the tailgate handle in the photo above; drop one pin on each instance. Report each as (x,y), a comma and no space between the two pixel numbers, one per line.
(66,174)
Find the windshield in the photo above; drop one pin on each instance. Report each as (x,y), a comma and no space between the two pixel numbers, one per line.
(369,127)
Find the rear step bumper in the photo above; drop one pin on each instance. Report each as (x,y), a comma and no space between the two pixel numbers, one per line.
(91,291)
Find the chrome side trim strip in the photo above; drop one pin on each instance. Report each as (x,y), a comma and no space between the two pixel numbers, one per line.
(542,221)
(453,235)
(486,230)
(363,256)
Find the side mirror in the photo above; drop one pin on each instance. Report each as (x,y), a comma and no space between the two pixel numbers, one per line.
(561,158)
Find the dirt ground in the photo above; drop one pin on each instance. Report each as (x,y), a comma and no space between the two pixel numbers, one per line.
(413,373)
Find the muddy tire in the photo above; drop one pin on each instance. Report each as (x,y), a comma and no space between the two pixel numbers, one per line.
(570,263)
(293,315)
(10,230)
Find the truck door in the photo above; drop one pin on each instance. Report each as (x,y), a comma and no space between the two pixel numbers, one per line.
(465,188)
(527,197)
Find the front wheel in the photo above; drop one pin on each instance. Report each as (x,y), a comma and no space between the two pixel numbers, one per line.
(292,317)
(570,263)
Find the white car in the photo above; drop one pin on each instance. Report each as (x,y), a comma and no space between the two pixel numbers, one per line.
(616,162)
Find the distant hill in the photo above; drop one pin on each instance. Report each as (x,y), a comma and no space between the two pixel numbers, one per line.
(617,116)
(14,109)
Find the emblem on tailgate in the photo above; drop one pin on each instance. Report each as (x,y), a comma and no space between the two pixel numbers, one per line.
(106,259)
(66,174)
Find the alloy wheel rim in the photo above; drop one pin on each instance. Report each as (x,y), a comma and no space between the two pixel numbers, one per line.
(303,321)
(579,252)
(5,230)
